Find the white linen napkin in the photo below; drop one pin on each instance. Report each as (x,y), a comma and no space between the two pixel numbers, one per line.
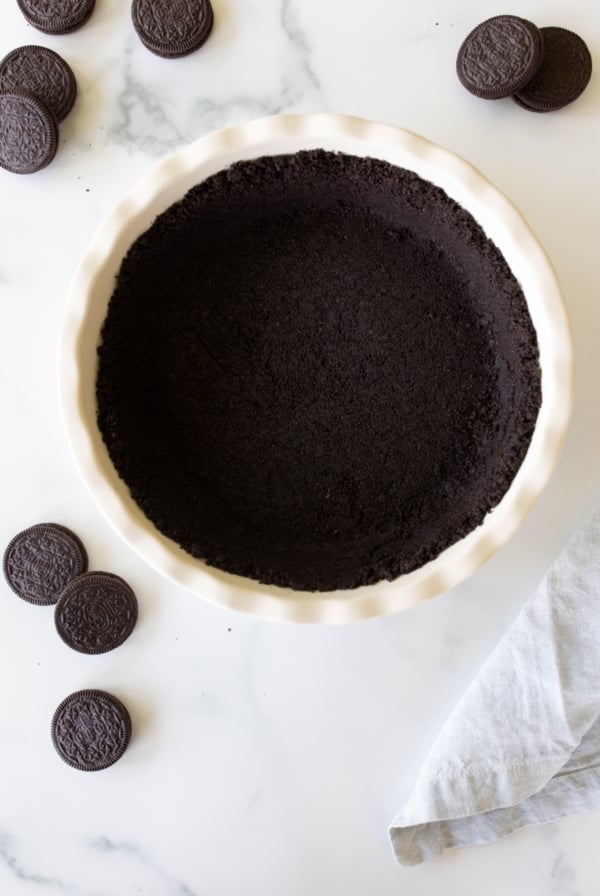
(522,746)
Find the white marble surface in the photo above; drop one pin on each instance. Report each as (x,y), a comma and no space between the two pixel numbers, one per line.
(268,759)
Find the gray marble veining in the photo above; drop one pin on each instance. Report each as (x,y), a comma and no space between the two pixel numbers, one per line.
(168,883)
(276,755)
(147,121)
(21,873)
(143,122)
(290,22)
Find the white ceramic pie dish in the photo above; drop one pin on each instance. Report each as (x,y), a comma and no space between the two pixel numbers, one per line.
(93,285)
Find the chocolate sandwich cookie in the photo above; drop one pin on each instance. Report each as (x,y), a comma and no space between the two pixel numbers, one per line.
(41,561)
(172,28)
(96,612)
(563,75)
(56,16)
(43,73)
(28,133)
(90,730)
(499,56)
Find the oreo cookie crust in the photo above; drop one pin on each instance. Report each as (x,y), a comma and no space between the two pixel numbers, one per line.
(41,561)
(96,612)
(56,16)
(28,133)
(43,73)
(316,371)
(499,56)
(91,730)
(172,28)
(563,75)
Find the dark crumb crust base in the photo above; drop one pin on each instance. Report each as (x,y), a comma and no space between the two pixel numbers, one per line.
(304,383)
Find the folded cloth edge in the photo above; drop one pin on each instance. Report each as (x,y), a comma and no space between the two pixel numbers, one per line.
(522,746)
(416,843)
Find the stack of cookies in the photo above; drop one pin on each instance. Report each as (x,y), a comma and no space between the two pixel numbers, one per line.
(37,91)
(543,69)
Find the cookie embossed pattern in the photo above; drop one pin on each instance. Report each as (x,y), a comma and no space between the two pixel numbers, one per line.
(28,133)
(42,72)
(91,730)
(172,29)
(96,612)
(39,562)
(499,57)
(57,16)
